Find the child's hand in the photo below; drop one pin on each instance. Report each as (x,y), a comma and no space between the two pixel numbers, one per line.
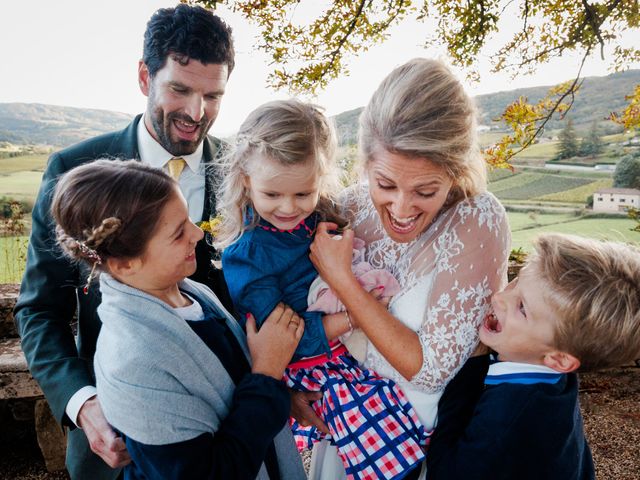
(379,295)
(272,347)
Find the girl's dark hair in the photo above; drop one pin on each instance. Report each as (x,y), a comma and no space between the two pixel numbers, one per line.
(109,209)
(187,32)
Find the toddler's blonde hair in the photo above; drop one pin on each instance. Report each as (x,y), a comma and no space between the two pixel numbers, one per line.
(290,132)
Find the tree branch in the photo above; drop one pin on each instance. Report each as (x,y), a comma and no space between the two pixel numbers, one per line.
(593,21)
(570,91)
(334,54)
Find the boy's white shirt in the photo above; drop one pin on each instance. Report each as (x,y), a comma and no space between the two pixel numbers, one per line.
(506,368)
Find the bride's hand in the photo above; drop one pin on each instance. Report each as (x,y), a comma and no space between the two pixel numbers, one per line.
(331,255)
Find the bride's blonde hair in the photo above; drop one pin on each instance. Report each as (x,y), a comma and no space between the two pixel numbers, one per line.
(422,111)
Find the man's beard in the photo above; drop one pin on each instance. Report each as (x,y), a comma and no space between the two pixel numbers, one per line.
(163,131)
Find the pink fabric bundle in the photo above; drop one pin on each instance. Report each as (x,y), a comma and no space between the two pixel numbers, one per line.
(322,299)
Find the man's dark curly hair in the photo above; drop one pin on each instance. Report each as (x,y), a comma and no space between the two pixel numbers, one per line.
(187,32)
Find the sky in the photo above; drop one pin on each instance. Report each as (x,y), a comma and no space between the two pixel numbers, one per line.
(84,53)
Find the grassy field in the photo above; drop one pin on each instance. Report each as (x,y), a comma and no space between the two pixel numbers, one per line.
(546,150)
(524,229)
(20,185)
(578,194)
(527,184)
(13,251)
(20,176)
(525,220)
(23,163)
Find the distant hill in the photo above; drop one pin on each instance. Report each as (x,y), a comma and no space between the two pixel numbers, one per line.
(35,123)
(597,98)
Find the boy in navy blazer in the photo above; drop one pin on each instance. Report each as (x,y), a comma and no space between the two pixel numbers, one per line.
(575,306)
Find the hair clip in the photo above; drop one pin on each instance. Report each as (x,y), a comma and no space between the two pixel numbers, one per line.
(91,254)
(85,290)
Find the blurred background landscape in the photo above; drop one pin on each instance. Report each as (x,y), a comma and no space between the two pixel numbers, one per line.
(542,192)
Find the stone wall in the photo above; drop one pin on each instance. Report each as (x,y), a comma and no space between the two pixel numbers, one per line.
(8,296)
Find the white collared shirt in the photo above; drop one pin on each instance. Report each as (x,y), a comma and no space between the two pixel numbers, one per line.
(522,373)
(192,179)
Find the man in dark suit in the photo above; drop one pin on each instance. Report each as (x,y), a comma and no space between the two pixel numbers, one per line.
(188,56)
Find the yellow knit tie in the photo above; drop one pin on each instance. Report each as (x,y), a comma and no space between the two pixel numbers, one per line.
(175,166)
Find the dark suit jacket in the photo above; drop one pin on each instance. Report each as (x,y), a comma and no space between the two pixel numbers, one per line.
(51,290)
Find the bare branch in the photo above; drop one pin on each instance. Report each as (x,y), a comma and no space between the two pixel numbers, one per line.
(526,19)
(595,25)
(506,6)
(570,91)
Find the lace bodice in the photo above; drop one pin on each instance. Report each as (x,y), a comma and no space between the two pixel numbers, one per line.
(447,276)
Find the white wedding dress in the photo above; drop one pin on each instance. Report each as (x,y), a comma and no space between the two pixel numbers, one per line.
(447,276)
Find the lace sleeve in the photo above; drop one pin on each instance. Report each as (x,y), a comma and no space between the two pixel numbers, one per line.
(470,264)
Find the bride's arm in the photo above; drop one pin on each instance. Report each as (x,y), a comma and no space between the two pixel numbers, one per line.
(471,265)
(396,342)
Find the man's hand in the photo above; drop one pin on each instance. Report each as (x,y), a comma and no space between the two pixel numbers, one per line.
(102,439)
(301,410)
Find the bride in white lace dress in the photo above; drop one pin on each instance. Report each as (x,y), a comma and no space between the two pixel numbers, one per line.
(425,215)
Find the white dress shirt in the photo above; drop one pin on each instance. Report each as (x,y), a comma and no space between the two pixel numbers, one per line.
(192,179)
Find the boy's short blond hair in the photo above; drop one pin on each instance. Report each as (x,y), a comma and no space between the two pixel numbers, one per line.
(594,286)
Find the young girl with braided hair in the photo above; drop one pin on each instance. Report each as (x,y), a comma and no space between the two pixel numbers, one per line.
(173,371)
(279,183)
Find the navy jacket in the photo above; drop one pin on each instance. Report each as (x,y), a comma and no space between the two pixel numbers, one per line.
(531,430)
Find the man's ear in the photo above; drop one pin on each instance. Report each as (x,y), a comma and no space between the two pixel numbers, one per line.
(144,78)
(123,267)
(561,361)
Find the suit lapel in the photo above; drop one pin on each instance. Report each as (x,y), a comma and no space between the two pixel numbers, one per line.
(125,144)
(211,152)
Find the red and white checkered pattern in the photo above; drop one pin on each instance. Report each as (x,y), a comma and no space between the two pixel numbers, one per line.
(376,430)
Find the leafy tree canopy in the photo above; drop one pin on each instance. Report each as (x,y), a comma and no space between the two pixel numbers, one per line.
(592,142)
(319,48)
(627,173)
(568,146)
(309,52)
